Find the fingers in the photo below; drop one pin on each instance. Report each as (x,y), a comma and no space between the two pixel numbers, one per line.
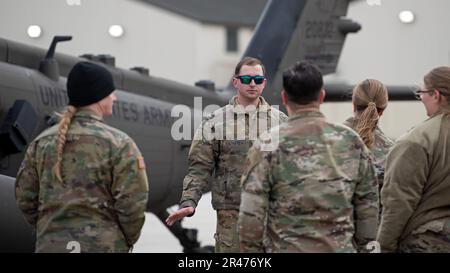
(179,214)
(169,221)
(172,218)
(175,216)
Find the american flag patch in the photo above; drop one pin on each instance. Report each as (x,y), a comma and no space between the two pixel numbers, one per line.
(140,163)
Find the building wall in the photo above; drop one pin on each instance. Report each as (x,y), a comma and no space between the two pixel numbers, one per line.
(212,59)
(394,53)
(171,46)
(391,51)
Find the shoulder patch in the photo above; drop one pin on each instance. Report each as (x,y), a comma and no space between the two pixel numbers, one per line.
(140,162)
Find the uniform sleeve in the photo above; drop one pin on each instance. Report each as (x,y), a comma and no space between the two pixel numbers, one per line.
(366,203)
(201,165)
(27,186)
(130,190)
(406,173)
(254,201)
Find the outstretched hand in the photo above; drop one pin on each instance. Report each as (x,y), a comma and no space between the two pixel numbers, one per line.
(178,215)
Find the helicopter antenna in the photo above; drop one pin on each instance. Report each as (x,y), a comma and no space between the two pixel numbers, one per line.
(49,66)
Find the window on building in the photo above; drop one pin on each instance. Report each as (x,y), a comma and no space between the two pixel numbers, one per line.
(232,39)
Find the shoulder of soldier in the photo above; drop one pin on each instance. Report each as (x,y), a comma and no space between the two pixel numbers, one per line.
(346,134)
(110,133)
(276,113)
(426,132)
(343,129)
(217,112)
(51,131)
(383,140)
(334,128)
(97,129)
(270,140)
(349,139)
(350,122)
(349,134)
(274,110)
(212,117)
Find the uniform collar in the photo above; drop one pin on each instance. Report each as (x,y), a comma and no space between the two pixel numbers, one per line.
(306,113)
(235,107)
(86,113)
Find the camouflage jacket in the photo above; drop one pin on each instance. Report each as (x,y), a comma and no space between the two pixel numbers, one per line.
(220,146)
(380,149)
(417,183)
(316,192)
(101,201)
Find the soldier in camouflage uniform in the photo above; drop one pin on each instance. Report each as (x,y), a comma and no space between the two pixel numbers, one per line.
(82,183)
(220,146)
(370,99)
(317,191)
(416,191)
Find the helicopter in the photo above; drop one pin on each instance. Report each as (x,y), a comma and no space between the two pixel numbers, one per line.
(32,90)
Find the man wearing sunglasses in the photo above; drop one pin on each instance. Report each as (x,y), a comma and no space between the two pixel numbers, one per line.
(416,191)
(234,128)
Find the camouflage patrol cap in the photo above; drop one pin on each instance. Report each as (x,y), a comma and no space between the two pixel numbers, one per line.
(88,83)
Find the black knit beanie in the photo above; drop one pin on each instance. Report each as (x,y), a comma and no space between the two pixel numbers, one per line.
(88,83)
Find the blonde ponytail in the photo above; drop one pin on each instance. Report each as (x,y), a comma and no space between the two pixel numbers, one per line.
(63,127)
(367,123)
(370,98)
